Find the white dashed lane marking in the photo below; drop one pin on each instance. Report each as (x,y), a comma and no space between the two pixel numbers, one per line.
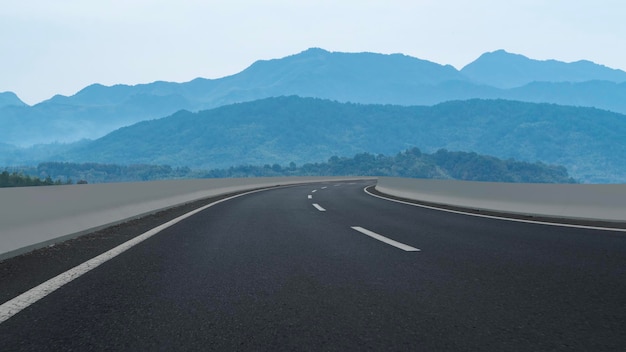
(388,241)
(318,207)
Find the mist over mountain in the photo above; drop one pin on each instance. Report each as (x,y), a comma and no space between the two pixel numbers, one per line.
(366,78)
(505,70)
(587,141)
(601,94)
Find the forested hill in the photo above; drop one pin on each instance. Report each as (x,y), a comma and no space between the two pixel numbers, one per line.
(589,142)
(410,163)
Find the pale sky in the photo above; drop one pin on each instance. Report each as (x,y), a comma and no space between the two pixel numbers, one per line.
(61,46)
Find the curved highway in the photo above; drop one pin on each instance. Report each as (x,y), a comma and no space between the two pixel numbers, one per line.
(329,267)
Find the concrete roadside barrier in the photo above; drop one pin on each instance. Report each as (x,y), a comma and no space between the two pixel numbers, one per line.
(33,217)
(599,202)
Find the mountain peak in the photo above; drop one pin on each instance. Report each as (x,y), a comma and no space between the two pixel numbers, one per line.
(344,75)
(10,99)
(503,54)
(314,51)
(500,52)
(508,70)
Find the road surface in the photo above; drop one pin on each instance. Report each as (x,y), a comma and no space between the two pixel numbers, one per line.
(329,267)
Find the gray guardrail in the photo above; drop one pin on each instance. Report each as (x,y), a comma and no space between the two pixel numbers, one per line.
(33,217)
(599,202)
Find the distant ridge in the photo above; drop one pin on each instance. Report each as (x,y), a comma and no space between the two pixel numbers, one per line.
(366,78)
(501,69)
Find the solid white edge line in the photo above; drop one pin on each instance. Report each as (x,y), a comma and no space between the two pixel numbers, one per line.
(386,240)
(318,207)
(17,304)
(497,217)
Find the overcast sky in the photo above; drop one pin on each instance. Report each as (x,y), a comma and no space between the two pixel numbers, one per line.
(59,47)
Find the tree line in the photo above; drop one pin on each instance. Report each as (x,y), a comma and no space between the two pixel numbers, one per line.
(18,179)
(412,163)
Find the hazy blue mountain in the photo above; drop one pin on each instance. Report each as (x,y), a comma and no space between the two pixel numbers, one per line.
(361,77)
(366,78)
(588,142)
(501,69)
(602,94)
(97,109)
(10,99)
(16,157)
(315,72)
(7,148)
(55,121)
(97,95)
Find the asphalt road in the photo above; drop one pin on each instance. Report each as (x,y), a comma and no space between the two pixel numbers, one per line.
(271,271)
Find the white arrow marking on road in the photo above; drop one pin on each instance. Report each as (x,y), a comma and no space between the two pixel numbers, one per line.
(388,241)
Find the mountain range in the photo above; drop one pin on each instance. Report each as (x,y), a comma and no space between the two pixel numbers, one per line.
(365,78)
(589,142)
